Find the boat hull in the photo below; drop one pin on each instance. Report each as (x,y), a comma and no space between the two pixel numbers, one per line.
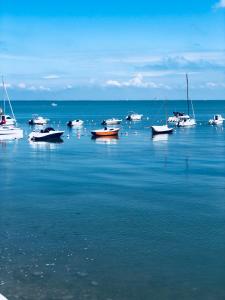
(134,118)
(111,122)
(186,123)
(10,133)
(102,133)
(75,123)
(46,136)
(161,130)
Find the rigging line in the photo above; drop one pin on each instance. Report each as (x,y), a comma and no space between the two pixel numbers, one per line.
(7,97)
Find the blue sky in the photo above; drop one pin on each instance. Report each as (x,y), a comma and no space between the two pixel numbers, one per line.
(113,49)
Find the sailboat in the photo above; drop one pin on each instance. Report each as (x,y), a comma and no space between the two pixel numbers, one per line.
(8,128)
(186,120)
(162,129)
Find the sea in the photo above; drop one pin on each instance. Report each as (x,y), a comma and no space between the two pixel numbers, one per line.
(129,218)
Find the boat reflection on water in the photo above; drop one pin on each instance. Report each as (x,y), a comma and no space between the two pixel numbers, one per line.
(107,140)
(160,137)
(43,145)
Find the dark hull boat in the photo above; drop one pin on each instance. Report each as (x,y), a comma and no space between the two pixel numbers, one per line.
(161,129)
(48,134)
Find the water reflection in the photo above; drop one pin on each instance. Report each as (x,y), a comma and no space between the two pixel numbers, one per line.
(43,145)
(108,140)
(160,137)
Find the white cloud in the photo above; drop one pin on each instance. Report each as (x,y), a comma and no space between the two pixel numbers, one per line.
(51,76)
(220,4)
(43,88)
(113,83)
(137,81)
(32,88)
(213,85)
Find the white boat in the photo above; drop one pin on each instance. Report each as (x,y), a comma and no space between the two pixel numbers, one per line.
(176,116)
(217,120)
(46,134)
(10,132)
(54,104)
(3,297)
(38,120)
(7,120)
(76,123)
(112,121)
(8,129)
(187,120)
(161,129)
(134,117)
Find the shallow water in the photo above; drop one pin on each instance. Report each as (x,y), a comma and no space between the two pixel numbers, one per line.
(125,219)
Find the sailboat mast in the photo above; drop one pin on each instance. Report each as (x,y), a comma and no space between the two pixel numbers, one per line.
(188,105)
(7,97)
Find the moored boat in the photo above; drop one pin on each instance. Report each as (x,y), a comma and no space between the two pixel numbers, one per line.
(161,129)
(46,134)
(187,120)
(38,120)
(8,128)
(75,123)
(217,120)
(9,132)
(105,132)
(134,117)
(176,116)
(7,120)
(112,121)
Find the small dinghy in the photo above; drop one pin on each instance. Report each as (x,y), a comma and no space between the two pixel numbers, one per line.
(112,121)
(47,134)
(134,117)
(38,120)
(105,132)
(217,120)
(163,129)
(75,123)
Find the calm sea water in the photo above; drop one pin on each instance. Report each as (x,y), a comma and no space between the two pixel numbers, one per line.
(133,218)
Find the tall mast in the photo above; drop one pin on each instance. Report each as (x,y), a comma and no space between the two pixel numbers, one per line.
(7,97)
(188,105)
